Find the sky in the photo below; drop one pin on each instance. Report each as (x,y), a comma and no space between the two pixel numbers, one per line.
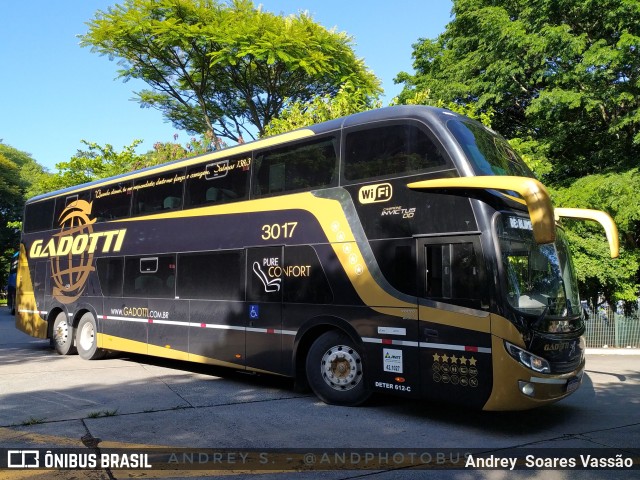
(53,93)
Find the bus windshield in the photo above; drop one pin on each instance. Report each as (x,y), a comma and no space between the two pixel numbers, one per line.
(488,153)
(540,279)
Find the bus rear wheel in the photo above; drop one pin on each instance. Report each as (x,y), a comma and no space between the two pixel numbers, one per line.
(62,335)
(335,370)
(87,338)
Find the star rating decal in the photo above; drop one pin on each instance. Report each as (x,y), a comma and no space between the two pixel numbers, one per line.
(462,360)
(455,370)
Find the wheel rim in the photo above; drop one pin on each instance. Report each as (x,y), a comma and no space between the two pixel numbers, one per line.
(62,333)
(341,368)
(87,337)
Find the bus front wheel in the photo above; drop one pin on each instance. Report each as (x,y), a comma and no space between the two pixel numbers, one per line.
(335,370)
(62,335)
(87,339)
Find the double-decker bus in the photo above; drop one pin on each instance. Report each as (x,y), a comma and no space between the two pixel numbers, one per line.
(405,250)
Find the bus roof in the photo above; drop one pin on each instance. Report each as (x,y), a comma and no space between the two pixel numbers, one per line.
(431,115)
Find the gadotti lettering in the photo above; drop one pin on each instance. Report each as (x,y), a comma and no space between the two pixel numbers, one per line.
(105,242)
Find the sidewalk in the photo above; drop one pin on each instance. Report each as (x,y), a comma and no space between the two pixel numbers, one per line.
(612,351)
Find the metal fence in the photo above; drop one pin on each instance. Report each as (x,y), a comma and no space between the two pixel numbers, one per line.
(608,329)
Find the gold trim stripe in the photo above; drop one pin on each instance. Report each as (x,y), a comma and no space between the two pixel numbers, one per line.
(603,218)
(28,319)
(534,193)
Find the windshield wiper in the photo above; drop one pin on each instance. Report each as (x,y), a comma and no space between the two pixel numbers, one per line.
(536,323)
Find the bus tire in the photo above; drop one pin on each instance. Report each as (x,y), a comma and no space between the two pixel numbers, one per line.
(87,338)
(335,370)
(62,335)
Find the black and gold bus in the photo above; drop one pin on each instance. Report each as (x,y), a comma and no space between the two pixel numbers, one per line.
(405,250)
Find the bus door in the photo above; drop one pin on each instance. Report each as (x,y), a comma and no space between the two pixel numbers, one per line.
(263,322)
(454,321)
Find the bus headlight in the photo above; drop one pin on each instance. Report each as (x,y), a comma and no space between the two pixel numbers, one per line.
(528,359)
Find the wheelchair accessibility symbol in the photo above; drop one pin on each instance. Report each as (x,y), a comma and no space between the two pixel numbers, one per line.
(254,312)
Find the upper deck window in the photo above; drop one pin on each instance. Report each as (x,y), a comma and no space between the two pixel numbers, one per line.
(38,216)
(157,193)
(295,168)
(63,202)
(488,153)
(395,149)
(112,201)
(218,181)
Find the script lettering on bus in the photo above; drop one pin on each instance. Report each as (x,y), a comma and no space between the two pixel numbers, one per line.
(99,193)
(158,182)
(223,167)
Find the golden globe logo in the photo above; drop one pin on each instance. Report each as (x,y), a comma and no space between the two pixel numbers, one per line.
(71,250)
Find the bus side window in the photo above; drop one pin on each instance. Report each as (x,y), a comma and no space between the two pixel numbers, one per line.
(152,277)
(110,274)
(38,216)
(211,275)
(454,275)
(221,181)
(158,193)
(112,201)
(305,166)
(65,201)
(392,149)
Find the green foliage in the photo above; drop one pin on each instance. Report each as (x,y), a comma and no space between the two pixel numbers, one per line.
(298,114)
(18,172)
(164,152)
(31,172)
(423,97)
(617,194)
(11,202)
(10,184)
(94,163)
(225,69)
(562,78)
(563,73)
(534,153)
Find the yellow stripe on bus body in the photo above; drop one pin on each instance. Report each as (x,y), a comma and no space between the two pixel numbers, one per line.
(111,342)
(28,320)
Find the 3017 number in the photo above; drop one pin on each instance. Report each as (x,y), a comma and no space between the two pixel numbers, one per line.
(278,230)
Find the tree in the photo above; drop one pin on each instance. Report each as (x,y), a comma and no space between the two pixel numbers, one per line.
(562,78)
(224,69)
(562,73)
(616,193)
(12,187)
(164,152)
(94,163)
(300,114)
(31,172)
(423,97)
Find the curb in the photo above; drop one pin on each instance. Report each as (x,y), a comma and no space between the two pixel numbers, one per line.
(612,351)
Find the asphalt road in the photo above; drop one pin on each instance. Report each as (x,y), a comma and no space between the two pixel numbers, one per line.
(51,401)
